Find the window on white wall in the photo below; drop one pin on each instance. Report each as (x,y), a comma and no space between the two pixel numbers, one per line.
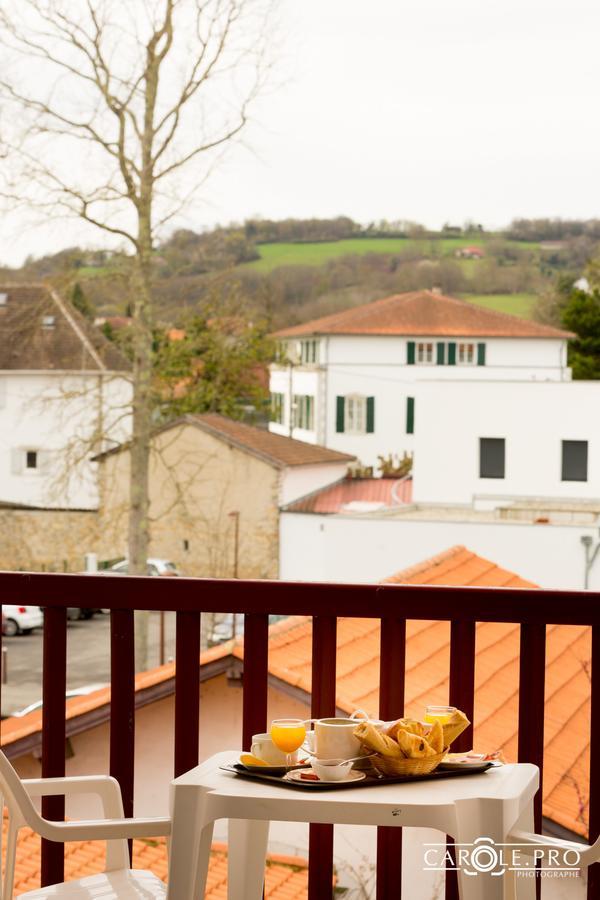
(28,461)
(466,354)
(492,457)
(304,411)
(425,353)
(574,461)
(309,352)
(355,415)
(277,408)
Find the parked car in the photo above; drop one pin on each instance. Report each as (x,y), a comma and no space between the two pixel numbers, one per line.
(153,567)
(75,692)
(21,619)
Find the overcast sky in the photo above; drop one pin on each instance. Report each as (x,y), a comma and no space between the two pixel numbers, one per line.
(419,109)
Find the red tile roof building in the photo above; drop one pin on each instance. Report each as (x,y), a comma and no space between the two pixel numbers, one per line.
(425,313)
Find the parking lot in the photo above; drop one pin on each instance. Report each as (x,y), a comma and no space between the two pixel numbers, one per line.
(88,657)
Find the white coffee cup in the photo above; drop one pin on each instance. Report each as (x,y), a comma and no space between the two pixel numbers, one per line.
(264,748)
(334,739)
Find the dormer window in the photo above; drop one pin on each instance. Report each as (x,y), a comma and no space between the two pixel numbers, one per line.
(48,322)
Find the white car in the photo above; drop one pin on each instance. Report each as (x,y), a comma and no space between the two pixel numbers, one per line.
(154,567)
(75,692)
(21,619)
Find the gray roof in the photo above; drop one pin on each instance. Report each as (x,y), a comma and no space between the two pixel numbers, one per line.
(39,330)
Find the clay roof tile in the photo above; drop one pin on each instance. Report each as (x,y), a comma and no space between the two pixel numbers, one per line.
(427,314)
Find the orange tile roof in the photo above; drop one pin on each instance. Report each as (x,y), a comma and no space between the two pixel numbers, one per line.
(334,497)
(286,877)
(459,566)
(424,313)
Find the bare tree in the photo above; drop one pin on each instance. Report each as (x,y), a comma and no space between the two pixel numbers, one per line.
(115,113)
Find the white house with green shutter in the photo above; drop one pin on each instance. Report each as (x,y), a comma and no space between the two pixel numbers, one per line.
(351,380)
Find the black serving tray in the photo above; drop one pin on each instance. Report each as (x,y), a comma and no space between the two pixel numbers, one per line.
(372,780)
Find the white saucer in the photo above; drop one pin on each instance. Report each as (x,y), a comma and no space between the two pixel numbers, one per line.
(295,776)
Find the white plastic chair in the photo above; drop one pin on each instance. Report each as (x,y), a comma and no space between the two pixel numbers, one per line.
(118,880)
(553,851)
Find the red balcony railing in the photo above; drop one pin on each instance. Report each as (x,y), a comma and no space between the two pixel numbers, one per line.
(393,604)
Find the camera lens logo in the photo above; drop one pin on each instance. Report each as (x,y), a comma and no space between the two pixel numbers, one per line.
(484,858)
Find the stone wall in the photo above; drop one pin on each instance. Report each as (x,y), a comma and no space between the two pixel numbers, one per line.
(196,482)
(46,540)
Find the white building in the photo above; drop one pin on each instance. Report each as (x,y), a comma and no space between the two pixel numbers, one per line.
(352,381)
(65,393)
(544,542)
(483,443)
(511,470)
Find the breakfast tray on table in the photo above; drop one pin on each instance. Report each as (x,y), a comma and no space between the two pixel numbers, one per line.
(372,779)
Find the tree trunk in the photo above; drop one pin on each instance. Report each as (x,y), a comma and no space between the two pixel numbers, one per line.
(139,486)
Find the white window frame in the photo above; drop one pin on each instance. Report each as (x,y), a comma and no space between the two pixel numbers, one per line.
(422,351)
(278,407)
(309,352)
(466,348)
(19,461)
(355,414)
(304,412)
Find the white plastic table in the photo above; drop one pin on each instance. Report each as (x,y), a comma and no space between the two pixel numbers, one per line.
(490,804)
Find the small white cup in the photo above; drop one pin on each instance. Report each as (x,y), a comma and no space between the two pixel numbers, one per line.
(264,748)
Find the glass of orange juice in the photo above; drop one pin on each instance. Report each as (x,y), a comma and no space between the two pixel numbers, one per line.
(288,735)
(441,714)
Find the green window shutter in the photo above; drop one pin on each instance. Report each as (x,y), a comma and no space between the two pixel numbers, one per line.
(339,413)
(410,353)
(451,353)
(441,353)
(410,415)
(481,354)
(370,415)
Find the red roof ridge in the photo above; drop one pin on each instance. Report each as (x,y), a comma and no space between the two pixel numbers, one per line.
(425,564)
(434,566)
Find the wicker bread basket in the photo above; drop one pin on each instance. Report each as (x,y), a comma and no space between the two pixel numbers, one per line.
(423,765)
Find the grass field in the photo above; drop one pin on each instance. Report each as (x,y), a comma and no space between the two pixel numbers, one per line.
(515,304)
(315,254)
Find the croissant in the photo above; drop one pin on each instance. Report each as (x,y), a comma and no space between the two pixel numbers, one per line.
(410,725)
(413,746)
(455,726)
(370,737)
(436,737)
